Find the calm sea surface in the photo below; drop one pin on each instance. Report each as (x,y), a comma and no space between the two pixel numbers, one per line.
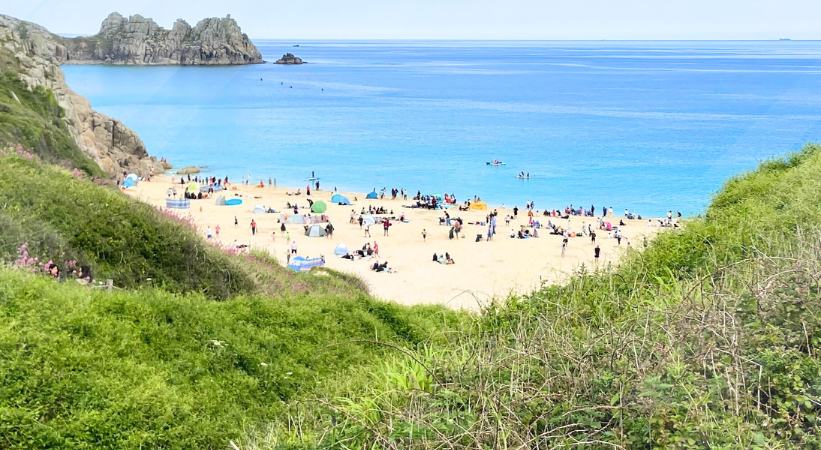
(642,125)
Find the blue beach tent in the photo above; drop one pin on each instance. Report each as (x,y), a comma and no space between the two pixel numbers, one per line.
(373,195)
(339,199)
(131,180)
(301,264)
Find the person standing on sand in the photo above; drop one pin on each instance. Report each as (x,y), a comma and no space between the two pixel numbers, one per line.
(253,227)
(293,247)
(236,222)
(217,230)
(208,234)
(368,230)
(424,235)
(287,257)
(386,224)
(515,211)
(564,245)
(597,253)
(375,248)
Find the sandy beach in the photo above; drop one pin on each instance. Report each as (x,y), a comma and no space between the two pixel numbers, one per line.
(482,271)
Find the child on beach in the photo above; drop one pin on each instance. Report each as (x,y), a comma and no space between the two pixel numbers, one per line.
(217,230)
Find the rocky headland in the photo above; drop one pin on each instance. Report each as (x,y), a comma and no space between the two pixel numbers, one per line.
(34,55)
(139,40)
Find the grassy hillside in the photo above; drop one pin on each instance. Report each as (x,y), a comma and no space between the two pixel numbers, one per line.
(709,338)
(62,218)
(83,368)
(34,120)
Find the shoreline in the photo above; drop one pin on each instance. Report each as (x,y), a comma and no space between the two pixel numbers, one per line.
(484,270)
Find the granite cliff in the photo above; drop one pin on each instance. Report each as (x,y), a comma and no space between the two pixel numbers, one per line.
(33,54)
(139,40)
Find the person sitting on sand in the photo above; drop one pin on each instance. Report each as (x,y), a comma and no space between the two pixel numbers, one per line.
(448,259)
(377,267)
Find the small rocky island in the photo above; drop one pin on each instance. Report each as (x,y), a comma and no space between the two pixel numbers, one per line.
(140,41)
(289,58)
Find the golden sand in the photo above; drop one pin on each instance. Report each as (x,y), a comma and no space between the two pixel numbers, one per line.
(482,270)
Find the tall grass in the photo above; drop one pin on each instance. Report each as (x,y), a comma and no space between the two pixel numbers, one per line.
(707,339)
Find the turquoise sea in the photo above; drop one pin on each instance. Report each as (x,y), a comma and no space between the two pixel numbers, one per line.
(648,126)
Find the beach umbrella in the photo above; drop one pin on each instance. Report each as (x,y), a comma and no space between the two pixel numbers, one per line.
(319,207)
(193,187)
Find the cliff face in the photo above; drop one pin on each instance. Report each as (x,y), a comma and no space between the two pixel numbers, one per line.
(138,40)
(34,54)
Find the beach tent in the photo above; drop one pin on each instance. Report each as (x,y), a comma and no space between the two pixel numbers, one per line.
(339,199)
(478,206)
(341,250)
(210,187)
(301,264)
(315,230)
(233,202)
(296,219)
(368,220)
(372,195)
(259,209)
(173,203)
(220,201)
(131,180)
(319,207)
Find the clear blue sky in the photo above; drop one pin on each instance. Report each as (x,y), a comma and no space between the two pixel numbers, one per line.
(455,19)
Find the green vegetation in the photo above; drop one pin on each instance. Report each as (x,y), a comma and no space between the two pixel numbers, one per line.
(34,120)
(83,368)
(62,218)
(708,338)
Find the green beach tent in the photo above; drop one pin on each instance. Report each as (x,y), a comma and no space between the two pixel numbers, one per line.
(319,207)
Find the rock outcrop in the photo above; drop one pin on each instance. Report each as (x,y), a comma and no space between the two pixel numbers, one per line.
(35,54)
(139,40)
(289,58)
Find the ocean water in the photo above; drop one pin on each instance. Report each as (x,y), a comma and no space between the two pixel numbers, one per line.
(648,126)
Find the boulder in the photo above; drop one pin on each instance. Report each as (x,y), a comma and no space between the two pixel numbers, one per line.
(289,58)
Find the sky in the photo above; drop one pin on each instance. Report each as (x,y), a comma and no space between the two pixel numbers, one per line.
(453,19)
